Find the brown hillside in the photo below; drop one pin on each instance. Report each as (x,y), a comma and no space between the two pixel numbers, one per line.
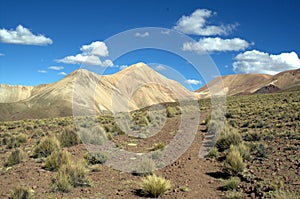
(240,84)
(84,92)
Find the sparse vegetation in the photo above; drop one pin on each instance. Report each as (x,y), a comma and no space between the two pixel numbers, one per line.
(96,158)
(72,175)
(158,146)
(15,140)
(15,157)
(285,195)
(233,164)
(155,186)
(46,147)
(269,150)
(21,193)
(57,159)
(146,167)
(213,153)
(243,149)
(234,195)
(232,183)
(229,136)
(68,137)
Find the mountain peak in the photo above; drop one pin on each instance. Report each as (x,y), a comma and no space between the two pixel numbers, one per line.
(136,66)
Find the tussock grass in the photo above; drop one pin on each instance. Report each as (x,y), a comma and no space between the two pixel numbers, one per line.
(57,159)
(15,157)
(155,186)
(47,146)
(233,164)
(21,193)
(68,137)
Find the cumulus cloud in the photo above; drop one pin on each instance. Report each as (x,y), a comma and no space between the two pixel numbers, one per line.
(145,34)
(62,73)
(22,35)
(97,48)
(90,55)
(160,67)
(2,54)
(196,24)
(56,67)
(261,62)
(122,67)
(193,82)
(42,71)
(216,44)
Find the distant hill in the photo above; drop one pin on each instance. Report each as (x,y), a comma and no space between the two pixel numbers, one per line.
(135,87)
(242,84)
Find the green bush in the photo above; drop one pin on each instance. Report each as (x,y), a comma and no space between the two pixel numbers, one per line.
(57,159)
(158,146)
(143,121)
(171,111)
(229,136)
(68,137)
(68,176)
(213,153)
(234,195)
(21,193)
(46,147)
(15,141)
(96,158)
(97,136)
(155,186)
(243,149)
(262,150)
(232,183)
(61,182)
(146,167)
(155,155)
(252,136)
(14,158)
(285,195)
(233,164)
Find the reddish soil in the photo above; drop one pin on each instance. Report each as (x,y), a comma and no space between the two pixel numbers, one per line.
(189,170)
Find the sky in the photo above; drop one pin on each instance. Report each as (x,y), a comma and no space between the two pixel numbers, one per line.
(42,41)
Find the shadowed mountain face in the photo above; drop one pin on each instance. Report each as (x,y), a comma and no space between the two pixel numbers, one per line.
(84,92)
(242,84)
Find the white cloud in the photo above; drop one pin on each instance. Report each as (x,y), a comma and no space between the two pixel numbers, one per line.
(90,55)
(123,67)
(85,59)
(42,71)
(145,34)
(160,67)
(216,44)
(2,54)
(97,48)
(56,67)
(196,24)
(62,73)
(193,82)
(260,62)
(23,36)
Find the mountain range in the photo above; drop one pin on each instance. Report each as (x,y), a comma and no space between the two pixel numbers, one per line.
(243,84)
(138,86)
(85,92)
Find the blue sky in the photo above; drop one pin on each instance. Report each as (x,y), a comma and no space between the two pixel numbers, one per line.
(41,41)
